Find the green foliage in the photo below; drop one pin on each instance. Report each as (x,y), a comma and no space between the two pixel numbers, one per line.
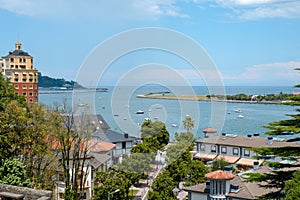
(13,172)
(278,178)
(7,93)
(186,137)
(114,180)
(136,163)
(46,81)
(219,164)
(292,187)
(188,123)
(162,187)
(155,134)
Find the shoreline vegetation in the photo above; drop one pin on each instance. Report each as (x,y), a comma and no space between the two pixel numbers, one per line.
(238,98)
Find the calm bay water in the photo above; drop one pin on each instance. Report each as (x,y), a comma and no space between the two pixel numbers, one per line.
(118,106)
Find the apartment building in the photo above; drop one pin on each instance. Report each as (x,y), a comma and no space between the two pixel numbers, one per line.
(18,67)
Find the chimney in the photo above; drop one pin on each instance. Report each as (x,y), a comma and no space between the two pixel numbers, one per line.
(125,135)
(255,165)
(223,136)
(256,134)
(249,137)
(270,140)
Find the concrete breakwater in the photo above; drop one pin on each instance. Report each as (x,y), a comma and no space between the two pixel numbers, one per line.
(202,98)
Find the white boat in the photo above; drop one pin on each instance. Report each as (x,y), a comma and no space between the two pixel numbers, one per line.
(173,125)
(240,116)
(139,112)
(238,110)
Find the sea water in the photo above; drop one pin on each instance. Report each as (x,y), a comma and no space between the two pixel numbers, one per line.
(119,105)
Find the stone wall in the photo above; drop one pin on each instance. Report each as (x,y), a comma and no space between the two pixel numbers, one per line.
(29,193)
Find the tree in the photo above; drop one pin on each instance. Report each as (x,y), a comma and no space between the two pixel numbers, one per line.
(13,172)
(292,187)
(219,164)
(162,187)
(187,137)
(7,93)
(155,134)
(114,180)
(188,123)
(71,134)
(279,179)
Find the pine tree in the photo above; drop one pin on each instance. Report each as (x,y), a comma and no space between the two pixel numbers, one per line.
(279,178)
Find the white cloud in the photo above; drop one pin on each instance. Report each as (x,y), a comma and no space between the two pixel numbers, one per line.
(268,74)
(259,9)
(115,9)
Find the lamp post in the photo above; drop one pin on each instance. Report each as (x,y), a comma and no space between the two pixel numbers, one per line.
(175,192)
(110,193)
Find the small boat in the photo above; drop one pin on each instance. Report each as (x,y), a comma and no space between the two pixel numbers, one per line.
(238,110)
(81,105)
(139,112)
(240,116)
(147,119)
(174,125)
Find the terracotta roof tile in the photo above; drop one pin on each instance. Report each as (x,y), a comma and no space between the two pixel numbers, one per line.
(219,174)
(98,145)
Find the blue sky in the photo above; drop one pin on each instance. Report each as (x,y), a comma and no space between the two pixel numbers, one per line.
(252,42)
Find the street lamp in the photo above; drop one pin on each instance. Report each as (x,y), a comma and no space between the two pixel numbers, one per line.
(175,191)
(110,193)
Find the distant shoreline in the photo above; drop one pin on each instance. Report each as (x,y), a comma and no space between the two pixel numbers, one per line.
(201,98)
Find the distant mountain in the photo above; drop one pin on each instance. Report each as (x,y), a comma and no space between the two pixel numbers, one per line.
(48,82)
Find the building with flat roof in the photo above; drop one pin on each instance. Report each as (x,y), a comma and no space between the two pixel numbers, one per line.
(236,149)
(18,67)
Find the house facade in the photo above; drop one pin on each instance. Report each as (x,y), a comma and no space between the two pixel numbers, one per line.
(99,158)
(227,186)
(18,67)
(236,149)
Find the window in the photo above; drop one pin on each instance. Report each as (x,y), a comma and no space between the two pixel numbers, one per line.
(123,145)
(20,60)
(224,150)
(30,94)
(24,87)
(11,60)
(24,93)
(246,153)
(235,151)
(202,147)
(213,148)
(17,93)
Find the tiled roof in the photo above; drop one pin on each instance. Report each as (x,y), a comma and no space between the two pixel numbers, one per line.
(100,146)
(246,190)
(209,130)
(17,53)
(244,141)
(111,136)
(219,174)
(98,159)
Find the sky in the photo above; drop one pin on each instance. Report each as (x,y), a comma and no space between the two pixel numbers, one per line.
(251,42)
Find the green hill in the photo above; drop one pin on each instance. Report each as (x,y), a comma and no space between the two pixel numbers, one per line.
(48,82)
